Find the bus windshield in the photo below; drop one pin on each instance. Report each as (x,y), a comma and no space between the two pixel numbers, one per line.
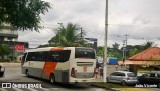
(84,53)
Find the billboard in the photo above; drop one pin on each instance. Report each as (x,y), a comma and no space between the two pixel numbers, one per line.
(19,47)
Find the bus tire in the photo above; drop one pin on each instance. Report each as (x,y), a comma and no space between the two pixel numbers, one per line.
(158,85)
(27,73)
(52,78)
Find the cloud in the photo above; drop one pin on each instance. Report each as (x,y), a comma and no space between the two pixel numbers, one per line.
(137,18)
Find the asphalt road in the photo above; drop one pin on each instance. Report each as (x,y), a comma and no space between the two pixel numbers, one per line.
(13,75)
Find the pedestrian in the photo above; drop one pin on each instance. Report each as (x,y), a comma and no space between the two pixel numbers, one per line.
(101,72)
(96,72)
(0,68)
(116,66)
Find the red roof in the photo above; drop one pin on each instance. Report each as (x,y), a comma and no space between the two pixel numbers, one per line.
(139,62)
(150,54)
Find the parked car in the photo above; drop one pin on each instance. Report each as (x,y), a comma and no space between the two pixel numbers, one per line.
(123,77)
(150,78)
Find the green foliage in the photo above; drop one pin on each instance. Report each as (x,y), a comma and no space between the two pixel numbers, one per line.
(148,44)
(4,50)
(67,36)
(133,52)
(130,50)
(111,52)
(115,51)
(115,45)
(100,51)
(22,14)
(12,58)
(116,54)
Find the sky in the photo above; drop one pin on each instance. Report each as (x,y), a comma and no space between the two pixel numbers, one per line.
(139,19)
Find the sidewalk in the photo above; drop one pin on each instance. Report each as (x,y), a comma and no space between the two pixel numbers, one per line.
(98,80)
(7,64)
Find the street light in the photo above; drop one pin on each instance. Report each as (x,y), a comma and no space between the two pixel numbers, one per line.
(105,43)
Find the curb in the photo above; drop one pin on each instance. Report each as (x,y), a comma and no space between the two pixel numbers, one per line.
(107,88)
(10,64)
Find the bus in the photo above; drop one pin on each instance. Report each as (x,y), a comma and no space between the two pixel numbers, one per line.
(66,65)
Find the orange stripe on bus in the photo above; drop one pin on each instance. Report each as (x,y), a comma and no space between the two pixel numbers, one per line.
(48,68)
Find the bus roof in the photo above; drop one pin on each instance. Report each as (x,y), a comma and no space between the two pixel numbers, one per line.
(49,48)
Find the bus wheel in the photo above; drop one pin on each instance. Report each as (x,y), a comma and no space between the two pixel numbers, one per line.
(27,73)
(158,85)
(52,78)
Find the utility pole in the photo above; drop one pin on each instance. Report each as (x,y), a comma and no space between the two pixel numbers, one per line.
(61,25)
(105,44)
(126,35)
(81,32)
(123,58)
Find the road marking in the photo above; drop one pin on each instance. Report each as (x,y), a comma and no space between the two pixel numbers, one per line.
(17,89)
(54,88)
(100,89)
(2,89)
(44,89)
(32,89)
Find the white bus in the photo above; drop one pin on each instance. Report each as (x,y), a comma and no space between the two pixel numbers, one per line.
(67,65)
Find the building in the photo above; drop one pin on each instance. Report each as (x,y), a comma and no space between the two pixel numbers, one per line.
(145,61)
(9,35)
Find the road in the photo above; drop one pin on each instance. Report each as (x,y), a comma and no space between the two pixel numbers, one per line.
(13,74)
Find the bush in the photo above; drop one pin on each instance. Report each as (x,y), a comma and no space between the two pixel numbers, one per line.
(12,58)
(5,60)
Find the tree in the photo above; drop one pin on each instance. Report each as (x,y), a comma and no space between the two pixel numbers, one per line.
(4,50)
(22,14)
(148,44)
(115,45)
(100,51)
(114,51)
(117,55)
(67,36)
(133,52)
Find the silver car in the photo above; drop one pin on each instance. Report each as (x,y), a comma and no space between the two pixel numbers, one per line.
(123,77)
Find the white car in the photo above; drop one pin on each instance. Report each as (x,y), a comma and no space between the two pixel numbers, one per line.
(123,77)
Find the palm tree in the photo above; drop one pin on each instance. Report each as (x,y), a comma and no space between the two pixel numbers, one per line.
(148,44)
(67,36)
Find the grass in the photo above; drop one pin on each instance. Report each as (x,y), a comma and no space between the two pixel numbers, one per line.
(120,87)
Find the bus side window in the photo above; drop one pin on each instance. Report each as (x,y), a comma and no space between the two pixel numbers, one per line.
(43,56)
(60,56)
(55,57)
(65,55)
(30,56)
